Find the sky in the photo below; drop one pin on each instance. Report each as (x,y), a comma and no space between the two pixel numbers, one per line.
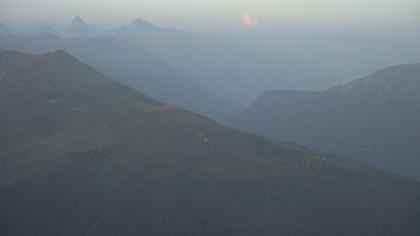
(222,14)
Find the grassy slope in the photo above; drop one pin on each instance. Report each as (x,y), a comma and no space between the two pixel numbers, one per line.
(82,155)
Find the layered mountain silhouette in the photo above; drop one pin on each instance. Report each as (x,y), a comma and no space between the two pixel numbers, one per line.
(234,72)
(298,59)
(348,55)
(375,119)
(83,155)
(79,28)
(131,65)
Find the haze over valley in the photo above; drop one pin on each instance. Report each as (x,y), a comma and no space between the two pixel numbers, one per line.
(209,117)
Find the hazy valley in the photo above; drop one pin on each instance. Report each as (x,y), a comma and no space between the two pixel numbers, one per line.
(302,121)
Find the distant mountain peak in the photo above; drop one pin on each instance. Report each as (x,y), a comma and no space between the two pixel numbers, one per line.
(138,21)
(77,27)
(78,20)
(142,23)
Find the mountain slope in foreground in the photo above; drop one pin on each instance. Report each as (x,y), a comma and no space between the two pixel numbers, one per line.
(375,119)
(83,155)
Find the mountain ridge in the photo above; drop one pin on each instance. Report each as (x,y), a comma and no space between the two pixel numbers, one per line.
(94,157)
(133,66)
(386,84)
(373,119)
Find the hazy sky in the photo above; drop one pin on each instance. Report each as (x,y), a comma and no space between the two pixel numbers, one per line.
(222,13)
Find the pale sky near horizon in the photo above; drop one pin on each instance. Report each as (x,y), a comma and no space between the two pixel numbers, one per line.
(221,13)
